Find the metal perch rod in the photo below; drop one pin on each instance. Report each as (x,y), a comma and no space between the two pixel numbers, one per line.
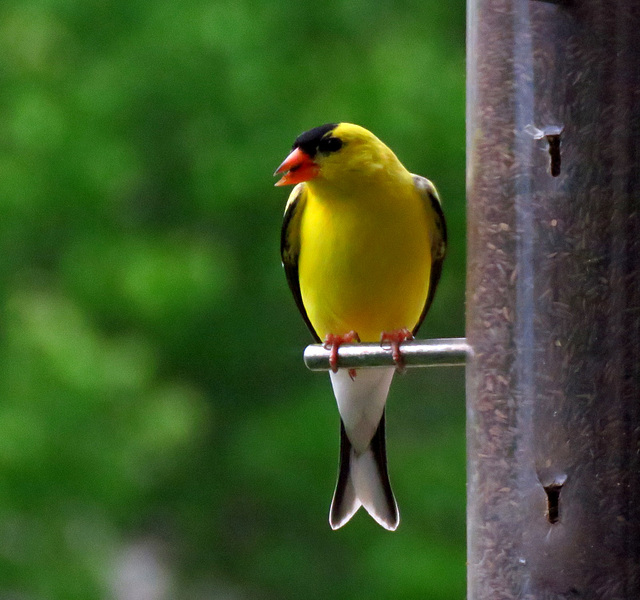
(445,352)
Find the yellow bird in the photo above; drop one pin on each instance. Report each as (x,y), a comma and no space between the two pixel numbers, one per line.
(363,242)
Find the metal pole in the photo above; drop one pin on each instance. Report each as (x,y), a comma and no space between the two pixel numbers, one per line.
(448,352)
(553,300)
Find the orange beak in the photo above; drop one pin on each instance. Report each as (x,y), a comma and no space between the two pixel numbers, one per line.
(297,167)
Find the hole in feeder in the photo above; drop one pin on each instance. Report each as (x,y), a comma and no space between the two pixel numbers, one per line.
(553,490)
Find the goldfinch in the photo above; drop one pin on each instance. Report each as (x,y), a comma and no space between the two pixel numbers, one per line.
(362,246)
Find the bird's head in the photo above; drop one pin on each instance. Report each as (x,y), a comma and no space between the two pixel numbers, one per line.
(334,154)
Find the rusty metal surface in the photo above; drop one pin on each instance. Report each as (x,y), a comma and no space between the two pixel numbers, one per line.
(553,297)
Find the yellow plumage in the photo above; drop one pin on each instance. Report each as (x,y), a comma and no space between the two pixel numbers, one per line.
(365,259)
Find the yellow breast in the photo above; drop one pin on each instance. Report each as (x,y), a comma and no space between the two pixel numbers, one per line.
(364,263)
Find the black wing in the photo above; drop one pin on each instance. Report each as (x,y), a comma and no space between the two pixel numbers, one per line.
(438,240)
(290,247)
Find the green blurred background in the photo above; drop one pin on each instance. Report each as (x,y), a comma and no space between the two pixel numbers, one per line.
(160,437)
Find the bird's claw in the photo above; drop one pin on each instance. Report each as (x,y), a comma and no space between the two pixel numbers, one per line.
(332,342)
(395,338)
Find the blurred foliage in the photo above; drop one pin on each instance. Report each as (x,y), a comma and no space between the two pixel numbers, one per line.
(159,434)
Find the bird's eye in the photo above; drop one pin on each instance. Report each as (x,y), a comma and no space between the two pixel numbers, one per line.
(330,144)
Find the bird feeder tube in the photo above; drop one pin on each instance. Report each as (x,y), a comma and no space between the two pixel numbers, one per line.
(448,352)
(553,300)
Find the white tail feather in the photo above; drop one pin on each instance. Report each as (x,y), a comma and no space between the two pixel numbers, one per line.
(370,491)
(361,402)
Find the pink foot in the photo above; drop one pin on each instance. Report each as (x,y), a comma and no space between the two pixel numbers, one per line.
(395,338)
(333,342)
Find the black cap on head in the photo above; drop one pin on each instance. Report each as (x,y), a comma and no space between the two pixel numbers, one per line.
(309,140)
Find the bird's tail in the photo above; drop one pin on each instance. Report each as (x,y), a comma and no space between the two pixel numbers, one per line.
(363,479)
